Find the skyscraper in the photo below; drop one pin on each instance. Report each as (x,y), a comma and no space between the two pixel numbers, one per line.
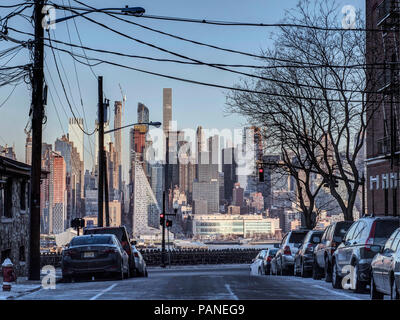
(142,113)
(167,109)
(118,145)
(229,166)
(76,135)
(58,191)
(28,149)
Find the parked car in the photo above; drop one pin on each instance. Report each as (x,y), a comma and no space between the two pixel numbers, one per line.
(355,252)
(122,236)
(140,264)
(304,258)
(385,269)
(94,254)
(323,252)
(271,252)
(257,266)
(284,258)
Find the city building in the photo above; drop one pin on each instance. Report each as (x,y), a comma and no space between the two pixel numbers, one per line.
(382,140)
(8,152)
(229,167)
(28,149)
(237,195)
(117,170)
(76,135)
(240,225)
(167,110)
(206,191)
(58,194)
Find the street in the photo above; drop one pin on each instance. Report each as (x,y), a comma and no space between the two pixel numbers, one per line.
(208,282)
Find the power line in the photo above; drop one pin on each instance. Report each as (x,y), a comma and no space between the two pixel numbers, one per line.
(230,23)
(8,97)
(223,86)
(66,95)
(210,65)
(295,64)
(262,78)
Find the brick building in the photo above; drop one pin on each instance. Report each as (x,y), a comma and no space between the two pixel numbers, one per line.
(382,141)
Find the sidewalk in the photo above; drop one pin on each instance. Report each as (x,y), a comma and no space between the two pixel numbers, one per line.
(23,286)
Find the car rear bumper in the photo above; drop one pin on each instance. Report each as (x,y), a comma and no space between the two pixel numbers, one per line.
(94,266)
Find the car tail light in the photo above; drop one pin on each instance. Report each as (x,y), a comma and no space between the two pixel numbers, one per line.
(269,258)
(70,252)
(286,250)
(136,254)
(333,247)
(110,250)
(370,239)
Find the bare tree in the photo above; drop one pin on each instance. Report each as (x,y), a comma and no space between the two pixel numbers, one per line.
(312,101)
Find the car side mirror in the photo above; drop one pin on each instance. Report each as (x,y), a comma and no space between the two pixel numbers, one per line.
(133,242)
(252,260)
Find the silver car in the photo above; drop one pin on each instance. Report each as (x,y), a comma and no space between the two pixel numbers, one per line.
(283,261)
(140,264)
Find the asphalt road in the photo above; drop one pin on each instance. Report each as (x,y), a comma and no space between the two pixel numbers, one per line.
(231,282)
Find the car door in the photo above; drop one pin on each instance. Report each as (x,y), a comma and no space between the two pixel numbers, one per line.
(278,257)
(396,263)
(387,260)
(344,251)
(320,249)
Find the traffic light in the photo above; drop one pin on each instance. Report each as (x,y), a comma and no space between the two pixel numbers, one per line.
(261,174)
(162,218)
(169,223)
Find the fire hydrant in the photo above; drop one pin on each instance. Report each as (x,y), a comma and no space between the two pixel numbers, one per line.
(8,274)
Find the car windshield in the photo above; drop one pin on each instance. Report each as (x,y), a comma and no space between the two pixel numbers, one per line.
(297,237)
(79,241)
(115,231)
(272,252)
(384,228)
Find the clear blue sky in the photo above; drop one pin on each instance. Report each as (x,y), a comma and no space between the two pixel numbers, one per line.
(192,105)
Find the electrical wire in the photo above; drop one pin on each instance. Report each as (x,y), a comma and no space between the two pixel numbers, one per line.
(226,87)
(66,95)
(8,97)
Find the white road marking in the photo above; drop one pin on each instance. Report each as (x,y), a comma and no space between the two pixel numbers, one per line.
(228,287)
(336,292)
(104,291)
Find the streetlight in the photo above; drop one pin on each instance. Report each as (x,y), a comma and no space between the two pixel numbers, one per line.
(133,11)
(151,123)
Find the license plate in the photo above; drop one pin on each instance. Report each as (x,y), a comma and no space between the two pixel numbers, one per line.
(88,254)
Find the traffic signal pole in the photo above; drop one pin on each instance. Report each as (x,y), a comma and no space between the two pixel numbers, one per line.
(163,234)
(37,120)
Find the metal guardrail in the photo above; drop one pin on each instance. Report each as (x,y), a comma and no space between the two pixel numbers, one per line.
(179,257)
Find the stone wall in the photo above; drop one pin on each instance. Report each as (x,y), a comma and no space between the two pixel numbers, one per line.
(14,231)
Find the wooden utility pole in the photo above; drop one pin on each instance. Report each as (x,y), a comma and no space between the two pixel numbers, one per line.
(101,153)
(37,120)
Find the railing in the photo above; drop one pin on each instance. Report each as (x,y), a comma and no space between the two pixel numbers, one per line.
(388,9)
(179,257)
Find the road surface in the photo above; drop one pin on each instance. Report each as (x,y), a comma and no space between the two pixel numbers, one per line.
(215,282)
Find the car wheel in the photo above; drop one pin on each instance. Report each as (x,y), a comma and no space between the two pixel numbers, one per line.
(303,272)
(128,273)
(328,271)
(146,274)
(120,274)
(359,287)
(394,293)
(259,272)
(295,269)
(373,293)
(315,271)
(336,279)
(268,271)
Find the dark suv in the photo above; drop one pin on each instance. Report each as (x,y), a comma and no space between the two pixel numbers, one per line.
(303,260)
(323,252)
(122,236)
(355,254)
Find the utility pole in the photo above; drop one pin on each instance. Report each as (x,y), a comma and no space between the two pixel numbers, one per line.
(163,236)
(101,153)
(106,198)
(164,201)
(37,120)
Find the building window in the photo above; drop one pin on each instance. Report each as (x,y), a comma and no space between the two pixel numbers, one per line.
(7,192)
(21,253)
(22,196)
